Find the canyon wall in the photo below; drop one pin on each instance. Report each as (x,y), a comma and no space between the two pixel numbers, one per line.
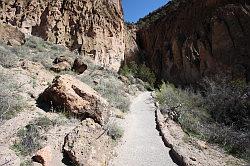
(188,39)
(92,27)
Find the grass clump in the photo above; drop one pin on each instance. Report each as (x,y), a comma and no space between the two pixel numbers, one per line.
(217,113)
(29,140)
(139,71)
(30,137)
(115,131)
(108,89)
(35,49)
(106,83)
(11,102)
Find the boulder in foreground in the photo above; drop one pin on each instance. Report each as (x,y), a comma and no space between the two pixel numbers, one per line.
(88,144)
(72,95)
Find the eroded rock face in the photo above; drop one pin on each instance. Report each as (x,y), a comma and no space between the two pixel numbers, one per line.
(76,97)
(197,38)
(88,145)
(131,47)
(11,35)
(93,27)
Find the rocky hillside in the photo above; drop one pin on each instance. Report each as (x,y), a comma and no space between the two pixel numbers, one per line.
(188,39)
(93,28)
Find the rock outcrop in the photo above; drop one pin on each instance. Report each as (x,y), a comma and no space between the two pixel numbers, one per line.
(11,35)
(72,95)
(92,27)
(131,47)
(186,40)
(88,144)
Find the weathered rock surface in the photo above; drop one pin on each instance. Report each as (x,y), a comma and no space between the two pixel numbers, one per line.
(94,28)
(196,38)
(76,97)
(62,66)
(131,47)
(88,144)
(43,156)
(8,157)
(11,35)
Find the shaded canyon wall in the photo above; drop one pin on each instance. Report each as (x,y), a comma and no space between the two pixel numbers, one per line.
(197,38)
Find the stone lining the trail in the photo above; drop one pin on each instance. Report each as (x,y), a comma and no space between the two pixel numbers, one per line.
(192,152)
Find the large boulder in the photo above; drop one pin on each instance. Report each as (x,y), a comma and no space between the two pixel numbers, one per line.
(88,144)
(70,94)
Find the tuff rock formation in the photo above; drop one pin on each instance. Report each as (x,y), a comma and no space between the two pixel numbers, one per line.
(11,35)
(131,47)
(88,144)
(92,27)
(74,96)
(188,39)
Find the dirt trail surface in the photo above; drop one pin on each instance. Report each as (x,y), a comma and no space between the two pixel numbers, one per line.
(141,144)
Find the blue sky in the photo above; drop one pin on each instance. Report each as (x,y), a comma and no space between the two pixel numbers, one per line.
(135,9)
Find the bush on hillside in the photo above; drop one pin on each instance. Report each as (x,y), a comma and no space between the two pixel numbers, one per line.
(114,131)
(10,102)
(220,115)
(30,137)
(139,71)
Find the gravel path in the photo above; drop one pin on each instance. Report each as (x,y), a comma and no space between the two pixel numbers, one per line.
(141,144)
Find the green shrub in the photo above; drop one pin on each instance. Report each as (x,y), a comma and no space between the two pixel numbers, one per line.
(115,131)
(220,115)
(106,83)
(108,88)
(227,101)
(29,140)
(30,137)
(139,71)
(10,101)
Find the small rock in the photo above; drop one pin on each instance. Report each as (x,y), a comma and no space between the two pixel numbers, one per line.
(43,156)
(62,59)
(201,144)
(13,42)
(192,158)
(62,66)
(79,66)
(124,79)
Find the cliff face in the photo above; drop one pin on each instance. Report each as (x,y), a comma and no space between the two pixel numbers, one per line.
(93,27)
(196,38)
(131,47)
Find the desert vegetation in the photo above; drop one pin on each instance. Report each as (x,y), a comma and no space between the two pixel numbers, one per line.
(218,112)
(10,101)
(158,13)
(141,71)
(31,136)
